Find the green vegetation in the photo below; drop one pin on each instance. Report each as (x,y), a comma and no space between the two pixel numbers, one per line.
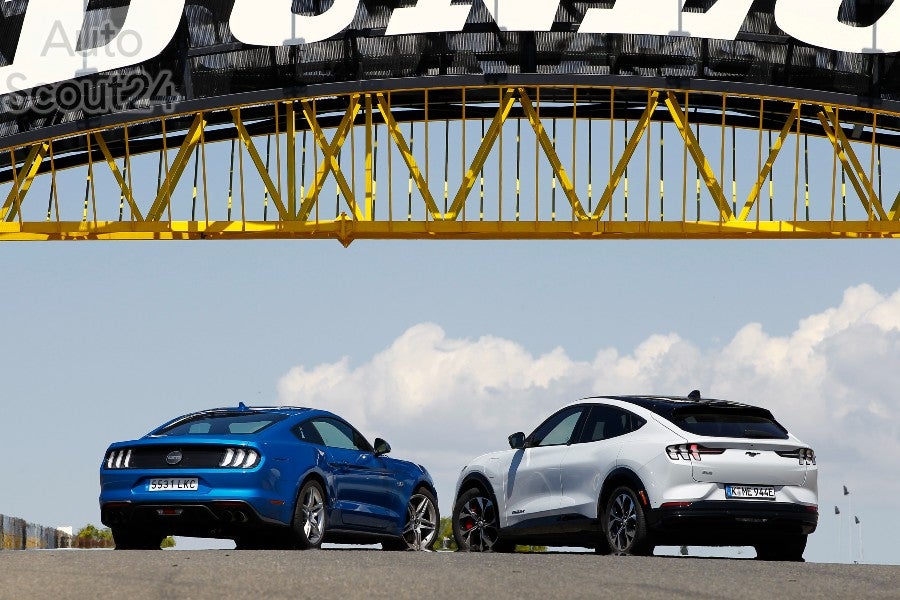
(527,549)
(446,533)
(90,536)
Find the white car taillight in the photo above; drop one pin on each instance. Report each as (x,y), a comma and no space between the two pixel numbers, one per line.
(690,451)
(118,459)
(805,456)
(239,458)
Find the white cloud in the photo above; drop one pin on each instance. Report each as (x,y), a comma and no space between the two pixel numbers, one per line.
(441,400)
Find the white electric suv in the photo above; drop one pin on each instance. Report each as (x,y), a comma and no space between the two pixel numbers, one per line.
(623,474)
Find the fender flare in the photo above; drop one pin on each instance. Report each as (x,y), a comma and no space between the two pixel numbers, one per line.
(621,476)
(481,480)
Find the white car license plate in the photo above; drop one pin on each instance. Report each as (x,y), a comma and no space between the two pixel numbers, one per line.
(173,484)
(750,492)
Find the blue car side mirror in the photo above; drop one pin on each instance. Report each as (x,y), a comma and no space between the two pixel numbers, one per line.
(381,447)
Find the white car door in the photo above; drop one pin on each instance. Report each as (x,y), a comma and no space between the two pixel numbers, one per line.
(593,457)
(533,484)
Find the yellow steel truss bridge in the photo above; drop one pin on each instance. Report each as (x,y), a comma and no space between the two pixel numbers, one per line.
(467,161)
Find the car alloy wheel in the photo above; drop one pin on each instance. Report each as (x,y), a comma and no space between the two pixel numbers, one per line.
(626,528)
(622,522)
(309,517)
(476,526)
(422,521)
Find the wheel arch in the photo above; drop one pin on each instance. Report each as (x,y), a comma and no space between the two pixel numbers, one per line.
(476,480)
(618,477)
(310,476)
(424,483)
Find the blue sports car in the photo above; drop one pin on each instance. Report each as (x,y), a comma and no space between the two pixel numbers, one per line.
(280,477)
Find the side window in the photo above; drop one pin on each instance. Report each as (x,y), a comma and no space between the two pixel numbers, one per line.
(307,433)
(605,422)
(332,433)
(558,429)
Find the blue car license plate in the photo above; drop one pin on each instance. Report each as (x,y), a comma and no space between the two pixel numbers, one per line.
(173,484)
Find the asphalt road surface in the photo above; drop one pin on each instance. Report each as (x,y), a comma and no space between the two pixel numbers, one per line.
(368,574)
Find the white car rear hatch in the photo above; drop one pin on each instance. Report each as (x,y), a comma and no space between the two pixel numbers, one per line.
(740,445)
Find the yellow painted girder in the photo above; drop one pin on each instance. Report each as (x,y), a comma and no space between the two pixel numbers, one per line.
(484,150)
(550,152)
(330,163)
(291,117)
(164,197)
(120,179)
(414,170)
(245,138)
(693,147)
(370,164)
(636,136)
(347,230)
(858,177)
(753,198)
(295,221)
(23,180)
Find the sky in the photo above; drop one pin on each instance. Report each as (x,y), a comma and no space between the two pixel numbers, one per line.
(445,348)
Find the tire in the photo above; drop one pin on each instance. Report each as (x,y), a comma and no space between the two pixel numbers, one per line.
(476,523)
(788,549)
(309,516)
(132,539)
(625,524)
(422,526)
(601,545)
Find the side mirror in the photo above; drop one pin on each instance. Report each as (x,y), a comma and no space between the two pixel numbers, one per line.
(381,447)
(517,441)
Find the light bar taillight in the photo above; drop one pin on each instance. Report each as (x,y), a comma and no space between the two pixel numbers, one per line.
(690,451)
(805,456)
(119,459)
(239,458)
(675,504)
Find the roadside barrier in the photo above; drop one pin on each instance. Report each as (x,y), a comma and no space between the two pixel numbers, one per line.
(17,534)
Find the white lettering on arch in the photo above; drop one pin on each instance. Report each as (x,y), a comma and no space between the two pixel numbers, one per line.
(441,15)
(272,23)
(816,23)
(667,17)
(47,52)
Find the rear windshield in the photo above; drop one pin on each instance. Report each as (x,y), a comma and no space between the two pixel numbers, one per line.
(220,424)
(736,423)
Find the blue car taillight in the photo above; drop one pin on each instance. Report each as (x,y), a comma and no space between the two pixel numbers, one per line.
(119,459)
(239,458)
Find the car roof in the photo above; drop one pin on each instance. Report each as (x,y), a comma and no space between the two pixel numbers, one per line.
(666,406)
(672,401)
(288,410)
